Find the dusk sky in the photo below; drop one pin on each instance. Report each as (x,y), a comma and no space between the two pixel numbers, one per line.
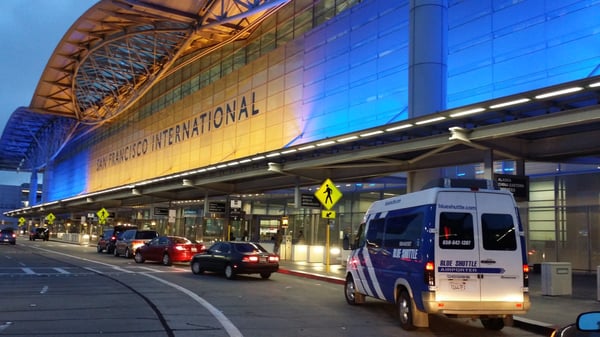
(31,31)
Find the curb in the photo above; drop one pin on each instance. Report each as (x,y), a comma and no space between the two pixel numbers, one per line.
(330,279)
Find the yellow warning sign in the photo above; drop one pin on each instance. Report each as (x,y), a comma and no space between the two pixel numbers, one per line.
(328,194)
(50,218)
(328,214)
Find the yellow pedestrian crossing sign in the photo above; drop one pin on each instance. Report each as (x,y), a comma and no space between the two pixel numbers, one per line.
(102,215)
(50,218)
(328,194)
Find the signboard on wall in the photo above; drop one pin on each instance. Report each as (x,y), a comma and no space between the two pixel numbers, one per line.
(518,185)
(309,200)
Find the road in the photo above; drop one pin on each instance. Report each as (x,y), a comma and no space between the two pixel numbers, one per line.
(56,289)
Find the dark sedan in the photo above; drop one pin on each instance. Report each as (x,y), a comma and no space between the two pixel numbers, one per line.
(8,235)
(236,257)
(168,249)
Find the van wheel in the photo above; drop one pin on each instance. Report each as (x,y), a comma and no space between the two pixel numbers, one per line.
(405,314)
(352,296)
(493,323)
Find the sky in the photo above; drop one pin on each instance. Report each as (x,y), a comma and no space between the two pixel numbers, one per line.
(30,31)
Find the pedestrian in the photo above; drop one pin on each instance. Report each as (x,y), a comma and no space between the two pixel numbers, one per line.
(300,239)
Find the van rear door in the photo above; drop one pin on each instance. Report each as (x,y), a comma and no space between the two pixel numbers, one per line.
(477,251)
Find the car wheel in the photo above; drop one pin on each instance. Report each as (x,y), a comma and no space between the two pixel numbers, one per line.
(229,274)
(116,252)
(127,253)
(196,268)
(166,260)
(138,258)
(493,323)
(265,275)
(405,313)
(352,296)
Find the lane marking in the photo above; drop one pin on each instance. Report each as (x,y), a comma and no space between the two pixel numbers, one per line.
(44,290)
(231,329)
(61,270)
(28,271)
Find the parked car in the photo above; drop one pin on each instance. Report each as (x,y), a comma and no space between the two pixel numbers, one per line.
(8,235)
(586,325)
(42,233)
(106,242)
(168,249)
(128,242)
(236,257)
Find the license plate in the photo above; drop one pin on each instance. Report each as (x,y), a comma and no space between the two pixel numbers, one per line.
(458,285)
(194,249)
(263,259)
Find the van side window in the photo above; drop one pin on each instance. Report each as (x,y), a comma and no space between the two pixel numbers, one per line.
(403,231)
(374,234)
(498,232)
(456,231)
(360,236)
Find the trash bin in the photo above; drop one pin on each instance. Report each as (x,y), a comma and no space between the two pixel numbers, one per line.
(557,278)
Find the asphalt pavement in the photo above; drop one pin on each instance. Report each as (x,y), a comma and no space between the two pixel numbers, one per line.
(547,312)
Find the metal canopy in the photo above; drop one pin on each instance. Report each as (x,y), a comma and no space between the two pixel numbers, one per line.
(561,128)
(110,57)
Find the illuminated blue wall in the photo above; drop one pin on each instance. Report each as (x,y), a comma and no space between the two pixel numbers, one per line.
(502,47)
(356,65)
(68,177)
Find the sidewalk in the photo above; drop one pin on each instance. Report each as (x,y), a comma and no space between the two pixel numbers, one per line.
(546,313)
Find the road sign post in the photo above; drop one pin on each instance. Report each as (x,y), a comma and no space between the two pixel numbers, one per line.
(328,195)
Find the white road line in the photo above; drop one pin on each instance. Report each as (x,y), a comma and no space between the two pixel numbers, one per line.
(5,325)
(151,270)
(62,271)
(231,329)
(44,290)
(28,271)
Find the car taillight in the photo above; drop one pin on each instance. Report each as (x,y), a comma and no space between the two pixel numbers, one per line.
(179,247)
(430,274)
(273,258)
(250,258)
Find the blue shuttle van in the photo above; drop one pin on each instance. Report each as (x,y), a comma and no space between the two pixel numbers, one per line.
(456,249)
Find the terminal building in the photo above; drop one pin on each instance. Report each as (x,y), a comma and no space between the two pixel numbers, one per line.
(218,119)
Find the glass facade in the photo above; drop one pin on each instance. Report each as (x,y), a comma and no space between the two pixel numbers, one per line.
(321,69)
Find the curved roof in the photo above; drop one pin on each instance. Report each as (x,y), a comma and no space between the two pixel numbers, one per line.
(111,56)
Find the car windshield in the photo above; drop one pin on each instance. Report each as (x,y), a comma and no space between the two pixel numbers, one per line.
(181,241)
(249,248)
(145,235)
(7,231)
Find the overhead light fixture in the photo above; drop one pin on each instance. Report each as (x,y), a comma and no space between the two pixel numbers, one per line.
(516,101)
(345,139)
(88,199)
(458,133)
(307,147)
(399,127)
(187,182)
(329,142)
(466,112)
(289,151)
(559,92)
(431,120)
(372,133)
(594,85)
(135,191)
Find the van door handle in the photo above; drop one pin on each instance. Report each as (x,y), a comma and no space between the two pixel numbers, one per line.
(490,261)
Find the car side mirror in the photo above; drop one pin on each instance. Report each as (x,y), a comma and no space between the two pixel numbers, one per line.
(589,321)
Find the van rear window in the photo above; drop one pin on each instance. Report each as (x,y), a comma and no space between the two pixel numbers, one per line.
(498,232)
(456,231)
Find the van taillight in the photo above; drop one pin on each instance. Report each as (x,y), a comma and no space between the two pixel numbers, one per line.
(430,274)
(526,277)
